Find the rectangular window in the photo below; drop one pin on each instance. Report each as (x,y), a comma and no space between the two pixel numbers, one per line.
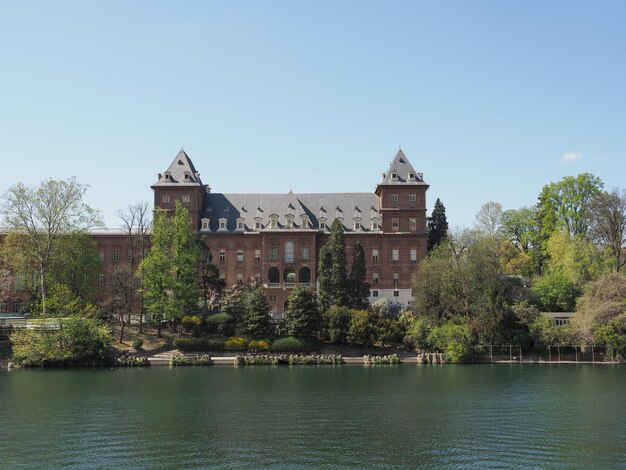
(412,197)
(374,293)
(394,198)
(222,276)
(257,226)
(395,223)
(239,279)
(272,298)
(413,254)
(239,225)
(374,255)
(375,278)
(395,255)
(101,255)
(3,307)
(274,253)
(186,198)
(412,224)
(374,225)
(322,225)
(239,255)
(205,225)
(116,256)
(396,279)
(222,255)
(305,253)
(130,256)
(257,255)
(222,225)
(100,279)
(166,198)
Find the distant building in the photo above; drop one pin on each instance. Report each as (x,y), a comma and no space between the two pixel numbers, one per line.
(276,238)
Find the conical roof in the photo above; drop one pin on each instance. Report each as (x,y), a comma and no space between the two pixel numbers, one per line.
(401,172)
(180,172)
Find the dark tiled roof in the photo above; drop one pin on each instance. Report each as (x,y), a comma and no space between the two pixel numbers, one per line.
(314,205)
(180,172)
(402,172)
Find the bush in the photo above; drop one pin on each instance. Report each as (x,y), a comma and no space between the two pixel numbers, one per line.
(453,338)
(191,321)
(137,343)
(336,322)
(132,361)
(290,343)
(235,343)
(181,360)
(221,323)
(259,345)
(363,328)
(391,359)
(257,360)
(199,344)
(77,341)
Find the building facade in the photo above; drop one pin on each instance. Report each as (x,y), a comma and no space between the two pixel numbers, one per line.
(275,239)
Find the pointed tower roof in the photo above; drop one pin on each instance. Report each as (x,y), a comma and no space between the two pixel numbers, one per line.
(401,172)
(181,172)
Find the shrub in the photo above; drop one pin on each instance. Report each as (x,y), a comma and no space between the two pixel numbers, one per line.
(315,359)
(182,360)
(257,360)
(259,345)
(390,359)
(235,343)
(221,323)
(290,343)
(453,338)
(132,361)
(336,322)
(137,343)
(363,328)
(199,344)
(190,321)
(388,330)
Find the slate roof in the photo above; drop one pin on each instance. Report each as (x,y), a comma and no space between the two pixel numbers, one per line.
(314,205)
(401,172)
(181,172)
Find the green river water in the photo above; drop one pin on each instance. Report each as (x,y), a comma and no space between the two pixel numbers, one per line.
(343,417)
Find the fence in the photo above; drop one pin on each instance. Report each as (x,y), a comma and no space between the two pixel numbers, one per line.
(574,353)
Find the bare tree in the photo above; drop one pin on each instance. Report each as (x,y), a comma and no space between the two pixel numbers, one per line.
(44,214)
(137,223)
(488,218)
(609,223)
(124,291)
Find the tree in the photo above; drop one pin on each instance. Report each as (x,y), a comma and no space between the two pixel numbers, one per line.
(488,218)
(609,223)
(256,318)
(211,285)
(333,289)
(302,315)
(336,321)
(137,223)
(555,292)
(125,286)
(77,264)
(363,328)
(43,215)
(358,287)
(437,226)
(169,270)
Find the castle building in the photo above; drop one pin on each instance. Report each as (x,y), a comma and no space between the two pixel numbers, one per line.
(275,239)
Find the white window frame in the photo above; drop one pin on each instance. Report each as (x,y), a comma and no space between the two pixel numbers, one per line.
(375,255)
(257,255)
(222,255)
(186,198)
(395,254)
(166,198)
(240,255)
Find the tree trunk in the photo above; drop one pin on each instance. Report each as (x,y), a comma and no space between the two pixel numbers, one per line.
(158,329)
(42,276)
(122,329)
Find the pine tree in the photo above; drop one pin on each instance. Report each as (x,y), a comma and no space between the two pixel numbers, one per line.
(359,289)
(437,225)
(302,315)
(332,269)
(256,319)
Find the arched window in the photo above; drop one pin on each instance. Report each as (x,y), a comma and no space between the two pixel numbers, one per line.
(17,306)
(289,252)
(289,276)
(273,275)
(304,275)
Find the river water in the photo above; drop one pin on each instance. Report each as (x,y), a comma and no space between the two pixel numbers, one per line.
(343,417)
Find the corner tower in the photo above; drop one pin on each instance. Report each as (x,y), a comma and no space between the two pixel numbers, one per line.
(402,198)
(180,182)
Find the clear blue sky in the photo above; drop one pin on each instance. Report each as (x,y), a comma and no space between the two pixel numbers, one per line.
(485,98)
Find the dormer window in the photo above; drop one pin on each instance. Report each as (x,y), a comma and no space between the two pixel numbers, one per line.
(411,176)
(257,226)
(322,221)
(167,175)
(273,221)
(394,176)
(222,224)
(357,226)
(187,176)
(374,224)
(240,224)
(305,221)
(205,224)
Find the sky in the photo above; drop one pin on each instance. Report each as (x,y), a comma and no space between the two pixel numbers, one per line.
(490,100)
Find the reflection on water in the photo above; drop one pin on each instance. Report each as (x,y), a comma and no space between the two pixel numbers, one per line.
(345,417)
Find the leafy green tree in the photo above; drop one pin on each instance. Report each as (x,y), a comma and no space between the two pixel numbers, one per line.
(43,215)
(609,223)
(211,285)
(519,230)
(333,284)
(77,264)
(437,226)
(555,292)
(488,218)
(256,319)
(363,328)
(302,317)
(169,270)
(336,321)
(358,287)
(454,339)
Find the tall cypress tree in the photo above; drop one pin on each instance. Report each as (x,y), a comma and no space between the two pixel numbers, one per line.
(302,315)
(256,318)
(359,289)
(437,225)
(332,269)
